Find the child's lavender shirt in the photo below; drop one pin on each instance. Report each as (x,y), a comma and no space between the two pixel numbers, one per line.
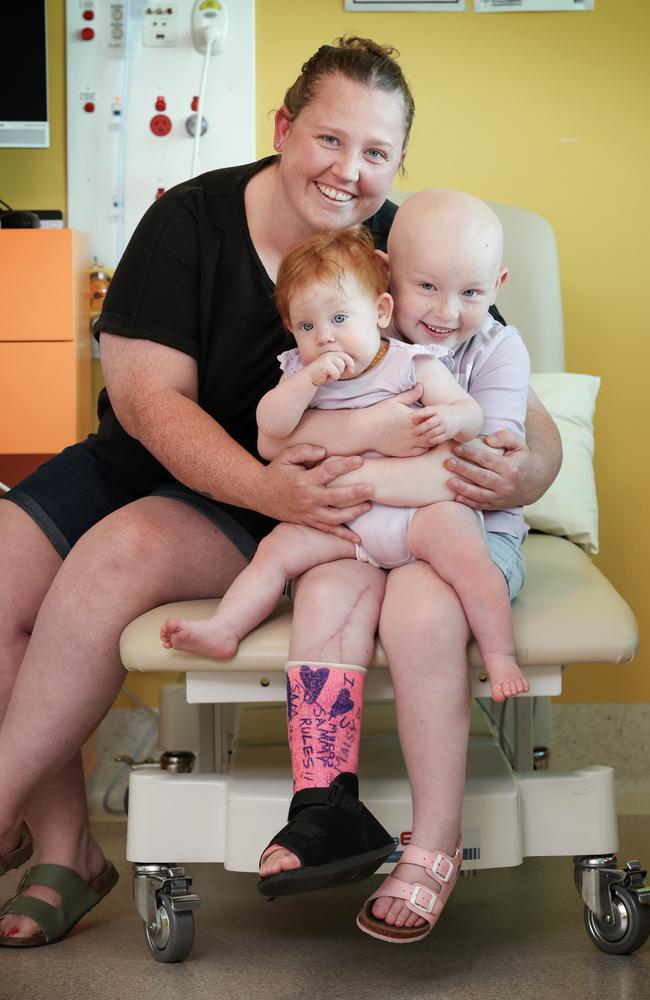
(494,367)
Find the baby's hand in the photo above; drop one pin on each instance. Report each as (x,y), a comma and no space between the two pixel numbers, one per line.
(436,424)
(329,367)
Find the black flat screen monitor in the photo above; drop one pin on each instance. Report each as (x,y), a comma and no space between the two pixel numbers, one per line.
(23,75)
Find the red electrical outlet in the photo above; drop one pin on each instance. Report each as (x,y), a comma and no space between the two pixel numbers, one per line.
(160,125)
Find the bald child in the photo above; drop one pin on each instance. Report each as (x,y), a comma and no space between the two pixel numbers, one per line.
(445,261)
(445,252)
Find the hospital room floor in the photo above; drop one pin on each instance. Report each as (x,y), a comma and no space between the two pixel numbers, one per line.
(515,933)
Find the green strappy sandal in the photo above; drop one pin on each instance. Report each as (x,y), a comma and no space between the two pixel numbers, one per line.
(78,897)
(19,855)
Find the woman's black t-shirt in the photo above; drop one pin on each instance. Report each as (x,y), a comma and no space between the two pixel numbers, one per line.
(191,279)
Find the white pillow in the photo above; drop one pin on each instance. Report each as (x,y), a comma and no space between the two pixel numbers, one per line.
(569,507)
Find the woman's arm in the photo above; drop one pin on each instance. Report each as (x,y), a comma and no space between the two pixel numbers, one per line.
(153,390)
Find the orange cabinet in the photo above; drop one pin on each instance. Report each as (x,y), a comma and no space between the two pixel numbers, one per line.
(45,394)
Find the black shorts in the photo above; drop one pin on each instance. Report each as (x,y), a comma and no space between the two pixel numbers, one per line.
(71,492)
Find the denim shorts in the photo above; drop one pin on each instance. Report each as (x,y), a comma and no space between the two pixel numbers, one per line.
(506,554)
(71,492)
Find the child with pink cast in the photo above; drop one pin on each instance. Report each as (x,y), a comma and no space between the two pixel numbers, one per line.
(331,295)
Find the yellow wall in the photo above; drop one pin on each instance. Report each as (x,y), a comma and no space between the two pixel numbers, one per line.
(496,96)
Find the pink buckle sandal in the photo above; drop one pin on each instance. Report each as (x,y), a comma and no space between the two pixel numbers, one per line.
(420,899)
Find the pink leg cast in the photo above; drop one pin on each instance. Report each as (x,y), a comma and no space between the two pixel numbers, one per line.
(324,705)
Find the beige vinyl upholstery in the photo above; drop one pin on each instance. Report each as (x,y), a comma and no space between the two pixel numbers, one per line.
(567,613)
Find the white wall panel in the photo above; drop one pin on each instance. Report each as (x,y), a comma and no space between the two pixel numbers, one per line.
(116,163)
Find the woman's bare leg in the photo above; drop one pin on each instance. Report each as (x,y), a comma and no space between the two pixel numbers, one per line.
(424,633)
(30,564)
(57,815)
(335,615)
(287,552)
(153,551)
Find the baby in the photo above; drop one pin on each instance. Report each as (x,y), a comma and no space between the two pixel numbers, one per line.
(331,293)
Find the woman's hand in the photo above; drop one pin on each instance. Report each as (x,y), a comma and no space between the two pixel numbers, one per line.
(493,478)
(518,477)
(297,489)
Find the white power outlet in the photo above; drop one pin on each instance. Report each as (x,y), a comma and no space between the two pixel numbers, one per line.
(212,14)
(160,25)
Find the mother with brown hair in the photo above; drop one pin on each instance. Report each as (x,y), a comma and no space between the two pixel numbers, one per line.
(168,501)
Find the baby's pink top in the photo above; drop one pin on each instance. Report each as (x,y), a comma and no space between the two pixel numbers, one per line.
(395,373)
(493,366)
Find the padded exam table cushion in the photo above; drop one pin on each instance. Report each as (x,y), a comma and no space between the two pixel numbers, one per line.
(567,613)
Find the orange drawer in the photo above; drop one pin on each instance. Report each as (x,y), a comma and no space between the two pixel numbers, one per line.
(39,390)
(43,284)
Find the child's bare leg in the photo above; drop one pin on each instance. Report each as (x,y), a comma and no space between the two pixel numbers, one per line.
(335,615)
(448,536)
(288,551)
(424,633)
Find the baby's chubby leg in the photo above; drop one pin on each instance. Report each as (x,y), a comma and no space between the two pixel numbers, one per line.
(287,552)
(449,537)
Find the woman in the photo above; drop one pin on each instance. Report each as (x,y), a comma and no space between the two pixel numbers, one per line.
(168,502)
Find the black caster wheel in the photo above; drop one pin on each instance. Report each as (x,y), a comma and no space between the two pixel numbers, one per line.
(629,929)
(172,938)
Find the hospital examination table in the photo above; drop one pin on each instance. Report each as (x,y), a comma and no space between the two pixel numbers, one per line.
(233,802)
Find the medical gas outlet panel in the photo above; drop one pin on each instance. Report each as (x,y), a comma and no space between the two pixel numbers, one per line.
(136,72)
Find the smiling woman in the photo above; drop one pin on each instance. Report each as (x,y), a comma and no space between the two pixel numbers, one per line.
(341,152)
(342,131)
(170,499)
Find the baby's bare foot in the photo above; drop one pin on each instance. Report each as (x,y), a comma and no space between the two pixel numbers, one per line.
(206,636)
(506,679)
(278,859)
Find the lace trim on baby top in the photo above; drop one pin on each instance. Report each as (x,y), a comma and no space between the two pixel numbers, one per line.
(409,352)
(290,361)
